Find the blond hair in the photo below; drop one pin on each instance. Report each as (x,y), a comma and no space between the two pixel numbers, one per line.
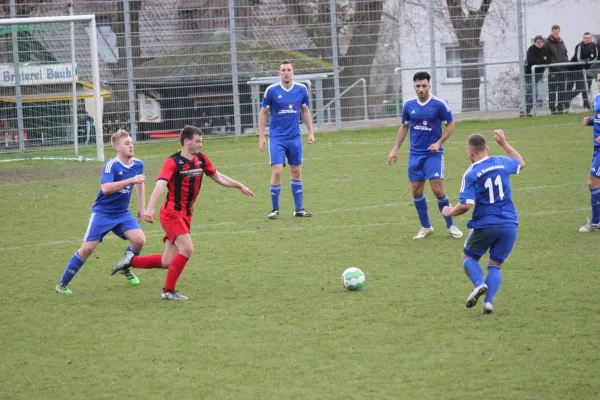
(117,136)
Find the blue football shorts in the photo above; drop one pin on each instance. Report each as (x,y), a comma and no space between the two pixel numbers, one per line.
(282,149)
(100,224)
(499,240)
(595,169)
(422,167)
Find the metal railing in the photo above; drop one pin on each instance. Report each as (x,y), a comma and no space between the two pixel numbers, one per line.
(592,65)
(327,106)
(434,84)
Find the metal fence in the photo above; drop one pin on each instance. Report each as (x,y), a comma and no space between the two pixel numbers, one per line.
(167,63)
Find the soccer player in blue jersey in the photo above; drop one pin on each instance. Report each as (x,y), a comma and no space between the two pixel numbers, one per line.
(486,184)
(593,180)
(423,116)
(285,100)
(110,211)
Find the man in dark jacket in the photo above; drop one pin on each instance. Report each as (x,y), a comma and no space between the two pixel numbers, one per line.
(537,54)
(557,52)
(584,51)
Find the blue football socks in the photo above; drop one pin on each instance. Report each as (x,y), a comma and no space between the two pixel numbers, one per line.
(595,195)
(493,281)
(275,191)
(421,206)
(473,271)
(297,193)
(443,202)
(73,266)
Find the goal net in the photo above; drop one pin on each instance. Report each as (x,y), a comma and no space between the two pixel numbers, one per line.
(50,93)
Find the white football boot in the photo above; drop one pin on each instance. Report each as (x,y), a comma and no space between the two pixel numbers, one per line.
(476,294)
(589,227)
(488,308)
(423,233)
(455,232)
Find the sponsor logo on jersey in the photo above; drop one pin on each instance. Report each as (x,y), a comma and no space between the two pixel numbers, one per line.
(289,109)
(190,173)
(423,125)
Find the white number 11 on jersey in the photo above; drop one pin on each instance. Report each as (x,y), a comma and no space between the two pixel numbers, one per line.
(490,188)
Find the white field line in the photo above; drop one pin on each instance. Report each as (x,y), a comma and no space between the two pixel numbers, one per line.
(325,212)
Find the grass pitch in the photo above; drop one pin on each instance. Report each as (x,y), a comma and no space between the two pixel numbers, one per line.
(268,317)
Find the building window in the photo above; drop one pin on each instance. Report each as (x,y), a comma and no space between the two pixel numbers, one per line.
(453,62)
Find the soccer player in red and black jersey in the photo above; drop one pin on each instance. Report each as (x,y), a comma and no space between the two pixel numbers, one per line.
(182,175)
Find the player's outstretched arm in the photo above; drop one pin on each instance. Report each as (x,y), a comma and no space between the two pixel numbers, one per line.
(113,187)
(510,151)
(226,181)
(161,184)
(400,136)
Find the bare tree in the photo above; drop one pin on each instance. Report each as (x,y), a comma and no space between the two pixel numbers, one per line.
(358,24)
(467,27)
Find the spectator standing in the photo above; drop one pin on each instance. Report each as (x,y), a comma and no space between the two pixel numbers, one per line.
(557,77)
(585,51)
(536,54)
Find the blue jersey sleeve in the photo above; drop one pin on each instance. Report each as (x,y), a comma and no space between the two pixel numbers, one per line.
(405,115)
(266,102)
(467,190)
(108,172)
(513,165)
(445,113)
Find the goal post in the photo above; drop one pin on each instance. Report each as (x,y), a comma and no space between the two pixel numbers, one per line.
(33,82)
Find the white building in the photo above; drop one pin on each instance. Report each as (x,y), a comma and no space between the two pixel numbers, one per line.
(499,87)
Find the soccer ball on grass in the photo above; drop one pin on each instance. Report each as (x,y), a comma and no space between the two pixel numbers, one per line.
(353,278)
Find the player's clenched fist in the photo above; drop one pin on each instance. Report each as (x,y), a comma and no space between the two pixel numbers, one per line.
(149,216)
(138,179)
(586,121)
(499,136)
(392,157)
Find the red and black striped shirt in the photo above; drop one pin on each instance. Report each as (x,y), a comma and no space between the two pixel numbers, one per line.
(184,178)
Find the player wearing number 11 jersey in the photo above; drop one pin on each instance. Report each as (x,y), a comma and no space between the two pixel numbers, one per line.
(486,184)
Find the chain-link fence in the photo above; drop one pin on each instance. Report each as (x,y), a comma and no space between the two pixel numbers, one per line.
(167,63)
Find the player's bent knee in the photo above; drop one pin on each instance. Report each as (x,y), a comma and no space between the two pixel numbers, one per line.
(187,252)
(87,249)
(495,263)
(165,261)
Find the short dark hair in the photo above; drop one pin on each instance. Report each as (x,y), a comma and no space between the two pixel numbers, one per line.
(188,133)
(476,143)
(587,33)
(538,37)
(421,75)
(285,62)
(555,27)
